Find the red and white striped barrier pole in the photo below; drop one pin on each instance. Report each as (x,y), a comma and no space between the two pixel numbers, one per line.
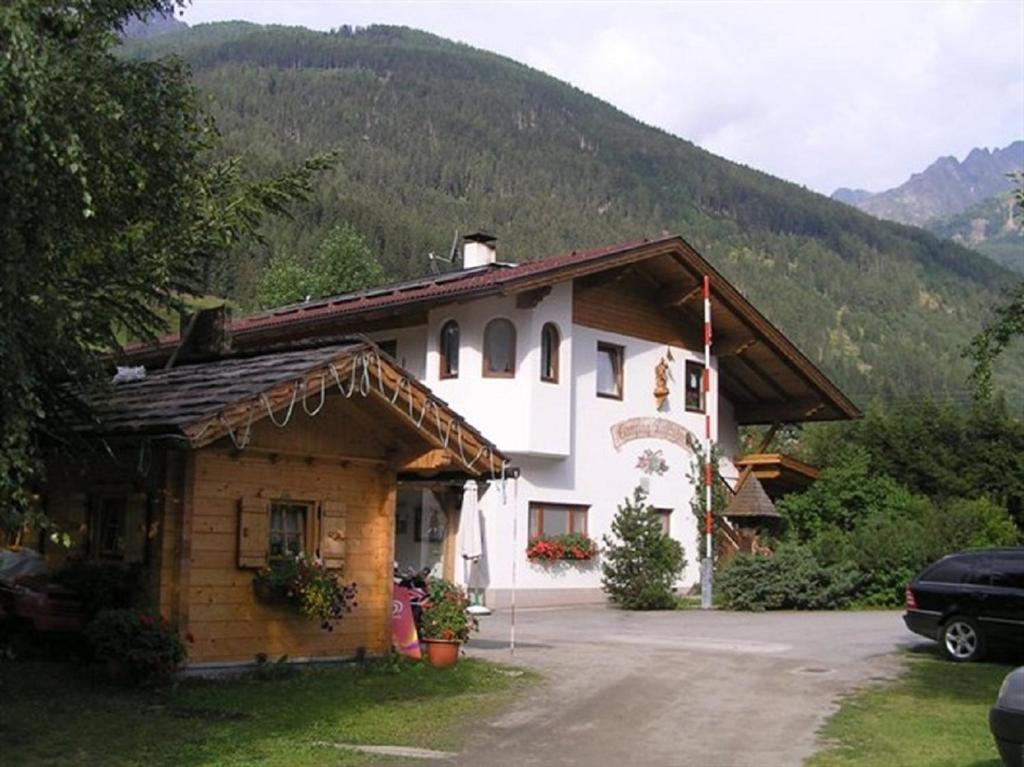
(709,522)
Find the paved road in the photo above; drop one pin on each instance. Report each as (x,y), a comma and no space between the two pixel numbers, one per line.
(714,689)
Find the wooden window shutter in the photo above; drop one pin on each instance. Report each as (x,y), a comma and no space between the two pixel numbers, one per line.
(253,533)
(333,536)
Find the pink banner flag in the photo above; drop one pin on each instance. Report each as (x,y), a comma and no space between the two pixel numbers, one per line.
(403,627)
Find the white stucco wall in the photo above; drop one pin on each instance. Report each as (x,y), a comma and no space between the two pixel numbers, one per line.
(597,475)
(522,414)
(559,436)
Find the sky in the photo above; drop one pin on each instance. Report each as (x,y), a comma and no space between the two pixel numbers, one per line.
(826,94)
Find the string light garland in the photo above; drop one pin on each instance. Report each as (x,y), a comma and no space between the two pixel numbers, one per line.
(361,381)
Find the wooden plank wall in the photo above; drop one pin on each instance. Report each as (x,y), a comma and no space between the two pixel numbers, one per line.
(627,307)
(225,619)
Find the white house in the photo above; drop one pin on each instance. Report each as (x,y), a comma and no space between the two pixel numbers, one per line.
(557,362)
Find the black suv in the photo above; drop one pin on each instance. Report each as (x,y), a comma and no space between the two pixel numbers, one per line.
(970,601)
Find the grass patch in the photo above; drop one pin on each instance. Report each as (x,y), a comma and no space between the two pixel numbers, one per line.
(935,715)
(54,714)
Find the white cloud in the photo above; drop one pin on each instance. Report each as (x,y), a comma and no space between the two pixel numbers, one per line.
(825,94)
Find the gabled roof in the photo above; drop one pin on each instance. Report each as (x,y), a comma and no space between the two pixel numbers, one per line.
(763,373)
(205,402)
(751,501)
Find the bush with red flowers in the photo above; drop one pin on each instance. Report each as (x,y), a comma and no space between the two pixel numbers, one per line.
(572,546)
(145,643)
(444,615)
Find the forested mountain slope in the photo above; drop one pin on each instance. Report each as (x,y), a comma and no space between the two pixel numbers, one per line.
(437,136)
(992,227)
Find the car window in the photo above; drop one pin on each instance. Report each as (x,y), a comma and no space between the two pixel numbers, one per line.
(1008,572)
(951,570)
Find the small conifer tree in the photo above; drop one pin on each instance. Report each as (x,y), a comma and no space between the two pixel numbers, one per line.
(641,564)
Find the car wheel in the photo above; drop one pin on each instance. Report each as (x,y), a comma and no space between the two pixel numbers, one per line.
(961,640)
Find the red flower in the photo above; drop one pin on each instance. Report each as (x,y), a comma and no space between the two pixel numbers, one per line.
(189,637)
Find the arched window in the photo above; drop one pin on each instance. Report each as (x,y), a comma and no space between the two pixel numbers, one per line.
(549,353)
(450,350)
(500,349)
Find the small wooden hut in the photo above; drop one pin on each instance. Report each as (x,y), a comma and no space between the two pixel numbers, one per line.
(206,471)
(751,511)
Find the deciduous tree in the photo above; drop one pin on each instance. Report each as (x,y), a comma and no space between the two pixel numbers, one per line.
(110,211)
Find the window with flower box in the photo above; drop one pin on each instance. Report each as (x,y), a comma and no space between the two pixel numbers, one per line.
(278,530)
(288,525)
(548,519)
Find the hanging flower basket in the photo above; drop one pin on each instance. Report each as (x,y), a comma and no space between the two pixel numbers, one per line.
(271,594)
(568,546)
(308,586)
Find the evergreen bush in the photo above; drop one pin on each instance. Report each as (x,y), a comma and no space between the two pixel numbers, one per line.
(640,563)
(791,579)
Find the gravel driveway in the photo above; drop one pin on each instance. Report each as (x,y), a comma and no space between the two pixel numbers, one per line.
(714,689)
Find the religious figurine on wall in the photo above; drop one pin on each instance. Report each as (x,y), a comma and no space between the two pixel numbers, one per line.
(661,383)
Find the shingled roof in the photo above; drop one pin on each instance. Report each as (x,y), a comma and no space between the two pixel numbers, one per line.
(751,501)
(205,402)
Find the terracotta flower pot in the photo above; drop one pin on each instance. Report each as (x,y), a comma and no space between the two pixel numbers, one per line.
(442,653)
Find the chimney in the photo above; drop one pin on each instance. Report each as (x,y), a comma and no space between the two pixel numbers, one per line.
(478,250)
(204,335)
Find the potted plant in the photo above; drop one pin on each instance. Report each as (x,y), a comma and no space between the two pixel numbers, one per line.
(138,647)
(444,622)
(307,585)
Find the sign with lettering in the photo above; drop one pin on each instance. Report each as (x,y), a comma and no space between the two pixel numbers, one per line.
(650,428)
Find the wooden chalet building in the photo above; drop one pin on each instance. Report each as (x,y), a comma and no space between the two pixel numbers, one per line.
(212,467)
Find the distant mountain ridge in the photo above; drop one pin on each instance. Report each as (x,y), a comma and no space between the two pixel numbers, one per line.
(945,188)
(154,25)
(436,135)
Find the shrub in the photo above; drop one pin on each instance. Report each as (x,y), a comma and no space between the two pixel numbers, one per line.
(445,616)
(960,524)
(844,494)
(103,585)
(145,642)
(641,564)
(791,579)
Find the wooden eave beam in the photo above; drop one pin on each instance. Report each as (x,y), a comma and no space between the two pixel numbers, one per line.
(732,347)
(783,412)
(754,368)
(531,298)
(432,461)
(684,297)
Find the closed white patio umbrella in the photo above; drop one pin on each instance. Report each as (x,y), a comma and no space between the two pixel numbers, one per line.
(472,546)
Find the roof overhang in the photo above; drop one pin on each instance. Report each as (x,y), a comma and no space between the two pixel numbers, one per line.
(762,373)
(359,370)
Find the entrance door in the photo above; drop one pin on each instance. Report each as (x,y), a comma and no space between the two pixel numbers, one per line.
(424,531)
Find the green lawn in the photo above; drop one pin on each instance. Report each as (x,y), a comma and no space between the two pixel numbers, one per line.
(934,716)
(55,714)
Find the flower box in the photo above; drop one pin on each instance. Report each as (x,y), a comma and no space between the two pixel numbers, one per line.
(568,546)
